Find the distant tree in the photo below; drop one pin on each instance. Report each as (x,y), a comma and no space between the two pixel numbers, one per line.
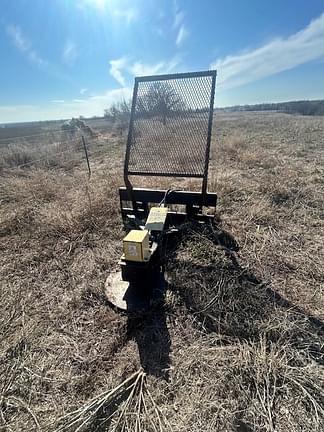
(160,100)
(304,107)
(73,126)
(118,110)
(119,114)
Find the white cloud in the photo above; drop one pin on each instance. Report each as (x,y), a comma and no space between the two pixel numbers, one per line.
(113,95)
(139,69)
(182,35)
(178,15)
(116,67)
(178,18)
(91,105)
(88,107)
(70,52)
(18,38)
(179,26)
(83,91)
(122,66)
(24,45)
(273,57)
(35,58)
(9,109)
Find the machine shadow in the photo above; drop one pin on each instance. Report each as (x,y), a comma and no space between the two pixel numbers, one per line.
(151,334)
(231,300)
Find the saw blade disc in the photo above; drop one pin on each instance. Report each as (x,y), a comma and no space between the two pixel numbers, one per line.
(134,297)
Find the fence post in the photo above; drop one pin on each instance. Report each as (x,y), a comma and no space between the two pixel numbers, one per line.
(86,155)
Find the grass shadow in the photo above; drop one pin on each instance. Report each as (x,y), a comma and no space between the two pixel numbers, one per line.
(205,272)
(151,334)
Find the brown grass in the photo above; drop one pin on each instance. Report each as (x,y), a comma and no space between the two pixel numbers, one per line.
(39,154)
(52,151)
(238,346)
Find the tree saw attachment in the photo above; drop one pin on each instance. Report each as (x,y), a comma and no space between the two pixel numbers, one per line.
(169,136)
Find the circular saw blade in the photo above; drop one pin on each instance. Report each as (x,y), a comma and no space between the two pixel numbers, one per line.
(134,297)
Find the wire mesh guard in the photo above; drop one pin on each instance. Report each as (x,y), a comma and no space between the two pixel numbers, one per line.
(171,124)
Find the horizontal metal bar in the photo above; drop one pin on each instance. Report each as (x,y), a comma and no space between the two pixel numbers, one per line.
(155,174)
(129,210)
(174,217)
(174,197)
(176,76)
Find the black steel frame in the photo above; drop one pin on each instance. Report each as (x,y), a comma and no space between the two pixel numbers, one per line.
(133,194)
(144,197)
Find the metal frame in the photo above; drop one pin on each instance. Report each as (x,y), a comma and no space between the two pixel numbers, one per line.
(146,197)
(127,172)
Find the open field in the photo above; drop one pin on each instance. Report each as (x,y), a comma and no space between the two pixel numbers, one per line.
(239,344)
(54,147)
(33,129)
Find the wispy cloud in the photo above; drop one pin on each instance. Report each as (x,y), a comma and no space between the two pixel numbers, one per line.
(83,91)
(14,110)
(19,40)
(122,66)
(182,35)
(57,101)
(273,57)
(178,17)
(70,52)
(98,4)
(24,45)
(129,15)
(116,67)
(139,69)
(87,107)
(179,25)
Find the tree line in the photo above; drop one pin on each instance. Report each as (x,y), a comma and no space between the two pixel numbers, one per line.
(304,107)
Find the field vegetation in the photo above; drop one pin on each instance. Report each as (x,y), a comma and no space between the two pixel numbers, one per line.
(303,107)
(239,343)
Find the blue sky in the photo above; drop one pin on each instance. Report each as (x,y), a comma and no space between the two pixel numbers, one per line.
(64,58)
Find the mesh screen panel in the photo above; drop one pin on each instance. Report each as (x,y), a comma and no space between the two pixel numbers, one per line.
(171,124)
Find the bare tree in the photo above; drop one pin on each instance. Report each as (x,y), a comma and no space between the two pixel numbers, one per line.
(161,99)
(119,114)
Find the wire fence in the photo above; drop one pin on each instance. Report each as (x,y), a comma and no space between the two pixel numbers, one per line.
(34,161)
(76,150)
(65,130)
(46,141)
(49,132)
(54,155)
(37,144)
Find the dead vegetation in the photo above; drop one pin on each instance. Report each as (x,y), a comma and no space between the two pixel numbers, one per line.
(238,346)
(43,154)
(62,149)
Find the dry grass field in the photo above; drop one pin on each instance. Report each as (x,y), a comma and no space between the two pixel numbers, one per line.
(239,343)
